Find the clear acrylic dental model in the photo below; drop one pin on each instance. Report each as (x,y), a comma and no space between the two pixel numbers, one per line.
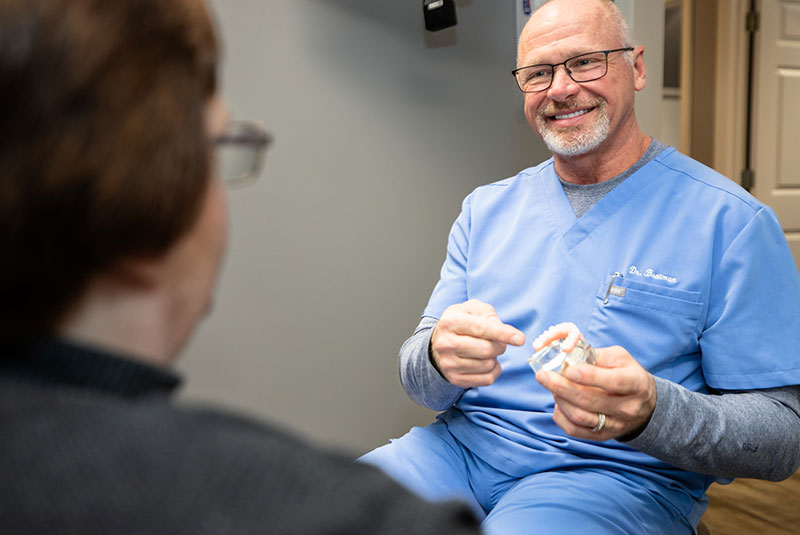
(561,346)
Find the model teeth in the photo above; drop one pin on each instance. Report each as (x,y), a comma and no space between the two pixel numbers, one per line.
(571,115)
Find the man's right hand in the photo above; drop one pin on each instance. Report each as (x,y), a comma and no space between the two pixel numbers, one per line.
(466,342)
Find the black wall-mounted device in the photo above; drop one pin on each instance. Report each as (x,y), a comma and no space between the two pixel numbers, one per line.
(439,14)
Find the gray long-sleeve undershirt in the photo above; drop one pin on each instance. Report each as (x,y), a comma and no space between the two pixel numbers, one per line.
(730,434)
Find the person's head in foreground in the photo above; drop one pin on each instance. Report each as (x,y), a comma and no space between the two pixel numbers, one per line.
(112,213)
(113,149)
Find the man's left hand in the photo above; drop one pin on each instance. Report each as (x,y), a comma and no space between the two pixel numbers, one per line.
(616,386)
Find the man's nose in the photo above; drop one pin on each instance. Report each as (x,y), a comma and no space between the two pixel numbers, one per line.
(563,86)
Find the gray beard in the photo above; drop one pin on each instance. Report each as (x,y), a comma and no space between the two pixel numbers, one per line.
(569,144)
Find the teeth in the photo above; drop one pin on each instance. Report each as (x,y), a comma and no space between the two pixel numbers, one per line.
(571,115)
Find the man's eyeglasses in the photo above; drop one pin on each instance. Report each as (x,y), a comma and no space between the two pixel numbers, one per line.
(240,152)
(583,68)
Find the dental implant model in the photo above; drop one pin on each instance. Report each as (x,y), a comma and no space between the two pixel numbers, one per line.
(561,346)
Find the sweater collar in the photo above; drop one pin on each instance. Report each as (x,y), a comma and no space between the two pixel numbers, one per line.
(59,362)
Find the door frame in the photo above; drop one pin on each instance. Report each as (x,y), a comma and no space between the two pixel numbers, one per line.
(725,152)
(730,114)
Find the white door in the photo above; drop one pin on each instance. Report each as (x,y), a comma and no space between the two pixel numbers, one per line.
(776,117)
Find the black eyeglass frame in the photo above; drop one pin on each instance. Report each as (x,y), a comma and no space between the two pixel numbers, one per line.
(569,73)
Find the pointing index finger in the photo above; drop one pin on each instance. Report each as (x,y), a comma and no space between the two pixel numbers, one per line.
(493,329)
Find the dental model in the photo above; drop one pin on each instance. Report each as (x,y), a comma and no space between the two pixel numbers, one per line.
(559,347)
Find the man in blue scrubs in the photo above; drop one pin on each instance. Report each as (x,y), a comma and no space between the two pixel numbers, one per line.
(683,281)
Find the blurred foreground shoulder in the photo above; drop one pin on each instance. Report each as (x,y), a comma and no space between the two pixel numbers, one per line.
(295,487)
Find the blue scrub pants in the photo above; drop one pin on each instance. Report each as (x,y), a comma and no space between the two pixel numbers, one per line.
(432,463)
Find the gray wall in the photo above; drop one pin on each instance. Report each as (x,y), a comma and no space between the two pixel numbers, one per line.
(381,129)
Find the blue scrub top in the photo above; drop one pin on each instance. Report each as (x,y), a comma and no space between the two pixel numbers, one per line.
(706,293)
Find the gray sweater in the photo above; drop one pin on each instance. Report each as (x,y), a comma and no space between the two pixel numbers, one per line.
(91,444)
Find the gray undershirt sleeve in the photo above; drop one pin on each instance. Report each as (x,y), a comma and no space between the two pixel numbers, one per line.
(421,381)
(733,434)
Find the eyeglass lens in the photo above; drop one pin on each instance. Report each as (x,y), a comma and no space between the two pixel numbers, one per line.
(240,152)
(237,162)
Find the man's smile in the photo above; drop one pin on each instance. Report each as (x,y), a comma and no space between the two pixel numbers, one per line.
(570,115)
(566,116)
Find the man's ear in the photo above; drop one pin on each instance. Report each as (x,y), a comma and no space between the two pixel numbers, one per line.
(639,70)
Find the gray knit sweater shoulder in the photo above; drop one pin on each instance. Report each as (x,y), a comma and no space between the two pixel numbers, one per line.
(91,444)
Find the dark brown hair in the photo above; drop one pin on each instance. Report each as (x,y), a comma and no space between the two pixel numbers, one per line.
(103,148)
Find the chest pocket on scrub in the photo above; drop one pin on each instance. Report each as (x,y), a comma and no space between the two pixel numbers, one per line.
(655,323)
